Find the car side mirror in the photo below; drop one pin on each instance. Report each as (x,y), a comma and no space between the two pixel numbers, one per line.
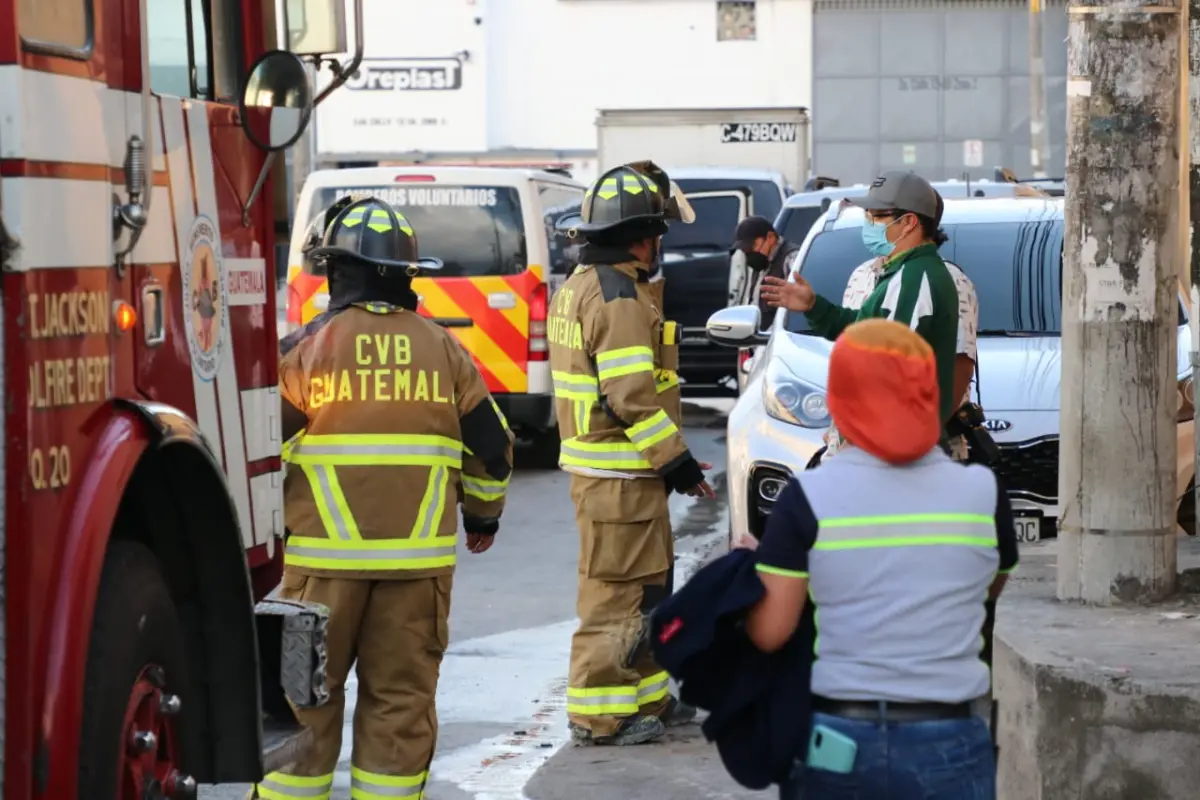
(736,327)
(277,101)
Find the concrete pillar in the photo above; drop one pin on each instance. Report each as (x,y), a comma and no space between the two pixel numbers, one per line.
(1192,232)
(1119,392)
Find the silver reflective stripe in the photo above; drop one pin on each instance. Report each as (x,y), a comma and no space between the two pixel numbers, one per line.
(325,479)
(604,455)
(296,791)
(623,699)
(589,386)
(433,510)
(366,450)
(658,427)
(383,790)
(624,361)
(649,689)
(484,491)
(353,554)
(883,529)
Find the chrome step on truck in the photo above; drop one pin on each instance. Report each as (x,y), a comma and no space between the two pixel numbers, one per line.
(292,657)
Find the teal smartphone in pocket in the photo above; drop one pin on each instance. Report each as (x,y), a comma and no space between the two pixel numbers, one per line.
(831,750)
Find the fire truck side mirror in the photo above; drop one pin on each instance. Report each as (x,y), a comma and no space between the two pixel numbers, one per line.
(277,101)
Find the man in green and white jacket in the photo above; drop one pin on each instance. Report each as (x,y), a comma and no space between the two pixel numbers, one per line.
(914,285)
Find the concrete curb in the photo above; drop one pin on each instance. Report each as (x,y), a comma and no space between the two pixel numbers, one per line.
(1096,703)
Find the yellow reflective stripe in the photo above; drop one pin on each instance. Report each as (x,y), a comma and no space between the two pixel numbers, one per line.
(601,455)
(602,700)
(583,415)
(906,530)
(670,333)
(787,573)
(653,688)
(624,361)
(665,379)
(370,554)
(652,430)
(575,387)
(483,488)
(433,504)
(366,785)
(379,450)
(281,786)
(499,413)
(289,445)
(331,502)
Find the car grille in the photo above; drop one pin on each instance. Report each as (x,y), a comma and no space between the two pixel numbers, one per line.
(1030,469)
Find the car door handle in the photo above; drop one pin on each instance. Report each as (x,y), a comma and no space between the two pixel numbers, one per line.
(502,300)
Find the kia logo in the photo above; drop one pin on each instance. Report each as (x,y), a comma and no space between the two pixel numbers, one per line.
(996,425)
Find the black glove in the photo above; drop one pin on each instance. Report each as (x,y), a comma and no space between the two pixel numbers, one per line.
(480,526)
(683,473)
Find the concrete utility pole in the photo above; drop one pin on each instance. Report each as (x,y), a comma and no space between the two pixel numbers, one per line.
(1039,136)
(1193,182)
(1116,487)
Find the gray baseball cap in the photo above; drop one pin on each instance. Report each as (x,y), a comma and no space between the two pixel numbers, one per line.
(902,191)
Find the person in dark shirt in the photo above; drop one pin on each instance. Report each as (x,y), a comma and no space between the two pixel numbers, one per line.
(899,548)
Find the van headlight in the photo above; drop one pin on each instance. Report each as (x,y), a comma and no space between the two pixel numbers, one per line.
(791,400)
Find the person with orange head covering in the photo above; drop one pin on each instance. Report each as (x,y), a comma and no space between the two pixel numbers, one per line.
(900,548)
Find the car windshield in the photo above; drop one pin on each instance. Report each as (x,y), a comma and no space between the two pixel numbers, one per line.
(716,220)
(1016,268)
(474,230)
(764,194)
(797,221)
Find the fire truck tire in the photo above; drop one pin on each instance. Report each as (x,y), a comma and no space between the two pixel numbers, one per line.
(136,684)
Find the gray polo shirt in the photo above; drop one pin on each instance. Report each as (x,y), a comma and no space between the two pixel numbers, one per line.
(899,561)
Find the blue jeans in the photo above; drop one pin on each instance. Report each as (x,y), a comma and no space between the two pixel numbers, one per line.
(948,759)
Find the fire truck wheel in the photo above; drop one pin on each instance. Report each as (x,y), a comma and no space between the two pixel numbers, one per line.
(135,685)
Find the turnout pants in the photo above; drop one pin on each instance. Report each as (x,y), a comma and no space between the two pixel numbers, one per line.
(394,632)
(626,558)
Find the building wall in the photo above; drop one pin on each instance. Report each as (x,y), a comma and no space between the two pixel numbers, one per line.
(554,63)
(938,87)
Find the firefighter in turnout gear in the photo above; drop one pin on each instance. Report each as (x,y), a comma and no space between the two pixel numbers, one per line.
(389,427)
(613,360)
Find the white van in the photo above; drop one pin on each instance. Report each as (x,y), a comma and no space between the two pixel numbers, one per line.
(493,228)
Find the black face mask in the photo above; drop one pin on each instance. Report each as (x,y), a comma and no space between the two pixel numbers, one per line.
(757,261)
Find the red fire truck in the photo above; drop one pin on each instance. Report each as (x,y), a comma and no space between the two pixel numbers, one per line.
(141,493)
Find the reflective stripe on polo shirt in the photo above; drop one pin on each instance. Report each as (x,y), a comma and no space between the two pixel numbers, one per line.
(906,530)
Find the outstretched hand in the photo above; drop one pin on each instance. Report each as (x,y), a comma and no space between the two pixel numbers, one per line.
(794,296)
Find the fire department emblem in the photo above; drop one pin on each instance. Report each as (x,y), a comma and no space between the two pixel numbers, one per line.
(204,298)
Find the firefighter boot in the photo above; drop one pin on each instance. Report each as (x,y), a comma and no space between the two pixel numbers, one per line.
(677,713)
(632,730)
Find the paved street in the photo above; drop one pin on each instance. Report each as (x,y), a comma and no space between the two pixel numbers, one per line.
(501,695)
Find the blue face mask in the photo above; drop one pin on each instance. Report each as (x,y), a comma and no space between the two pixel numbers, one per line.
(874,238)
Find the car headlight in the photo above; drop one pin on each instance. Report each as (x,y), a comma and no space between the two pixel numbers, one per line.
(791,400)
(1186,400)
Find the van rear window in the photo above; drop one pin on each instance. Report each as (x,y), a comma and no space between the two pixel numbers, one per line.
(474,230)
